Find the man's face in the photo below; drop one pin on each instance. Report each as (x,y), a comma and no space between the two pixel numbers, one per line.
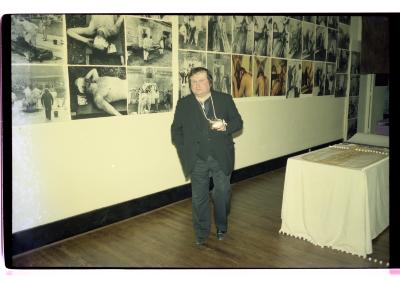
(199,84)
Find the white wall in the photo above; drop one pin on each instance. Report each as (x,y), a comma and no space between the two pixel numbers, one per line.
(64,169)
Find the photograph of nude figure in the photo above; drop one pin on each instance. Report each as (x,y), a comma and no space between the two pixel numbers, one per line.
(97,91)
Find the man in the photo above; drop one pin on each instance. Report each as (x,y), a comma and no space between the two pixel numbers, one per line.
(105,90)
(47,102)
(202,129)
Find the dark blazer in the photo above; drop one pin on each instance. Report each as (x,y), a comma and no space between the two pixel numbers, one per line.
(189,122)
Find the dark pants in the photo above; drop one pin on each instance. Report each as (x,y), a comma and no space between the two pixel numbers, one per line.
(221,195)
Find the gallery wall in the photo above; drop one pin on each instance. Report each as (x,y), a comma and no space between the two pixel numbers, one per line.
(84,158)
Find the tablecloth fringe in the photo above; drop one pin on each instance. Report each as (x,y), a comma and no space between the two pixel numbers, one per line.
(330,247)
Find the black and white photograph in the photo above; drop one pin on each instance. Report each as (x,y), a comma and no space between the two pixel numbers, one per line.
(321,43)
(97,91)
(344,37)
(263,35)
(351,127)
(308,41)
(278,77)
(333,22)
(149,42)
(345,19)
(355,63)
(95,39)
(341,85)
(243,34)
(295,39)
(220,33)
(192,32)
(297,17)
(354,85)
(353,108)
(220,67)
(342,61)
(310,19)
(322,20)
(38,94)
(262,69)
(319,78)
(150,90)
(280,36)
(332,46)
(188,60)
(294,79)
(307,76)
(37,39)
(242,77)
(330,79)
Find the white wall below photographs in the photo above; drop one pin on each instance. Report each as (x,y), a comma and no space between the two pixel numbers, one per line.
(65,169)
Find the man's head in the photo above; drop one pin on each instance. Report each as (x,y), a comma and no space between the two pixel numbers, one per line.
(100,42)
(80,84)
(200,81)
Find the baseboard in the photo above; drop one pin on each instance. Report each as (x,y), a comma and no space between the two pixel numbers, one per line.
(33,238)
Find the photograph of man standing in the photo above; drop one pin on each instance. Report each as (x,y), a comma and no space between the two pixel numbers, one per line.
(202,129)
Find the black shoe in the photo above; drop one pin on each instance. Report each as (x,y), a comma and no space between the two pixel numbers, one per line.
(200,242)
(220,234)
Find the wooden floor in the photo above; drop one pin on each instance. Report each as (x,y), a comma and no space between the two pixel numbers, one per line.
(165,238)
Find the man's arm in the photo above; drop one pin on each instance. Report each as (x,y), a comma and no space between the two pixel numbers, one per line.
(177,128)
(105,106)
(92,75)
(234,120)
(76,33)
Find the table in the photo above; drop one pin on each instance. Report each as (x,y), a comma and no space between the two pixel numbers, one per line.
(337,197)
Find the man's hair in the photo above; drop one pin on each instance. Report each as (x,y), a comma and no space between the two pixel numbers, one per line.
(199,69)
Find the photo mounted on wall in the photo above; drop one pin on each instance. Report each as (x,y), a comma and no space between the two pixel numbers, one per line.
(333,22)
(341,85)
(354,85)
(220,33)
(297,17)
(149,42)
(344,37)
(37,39)
(319,78)
(353,108)
(345,19)
(280,37)
(342,61)
(355,63)
(308,41)
(278,77)
(188,60)
(243,34)
(192,32)
(97,91)
(332,46)
(295,39)
(309,18)
(262,35)
(351,128)
(220,67)
(242,79)
(150,90)
(322,20)
(294,79)
(307,77)
(262,69)
(321,43)
(95,39)
(330,79)
(38,94)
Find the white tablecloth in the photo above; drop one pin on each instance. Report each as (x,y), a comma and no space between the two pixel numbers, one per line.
(339,207)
